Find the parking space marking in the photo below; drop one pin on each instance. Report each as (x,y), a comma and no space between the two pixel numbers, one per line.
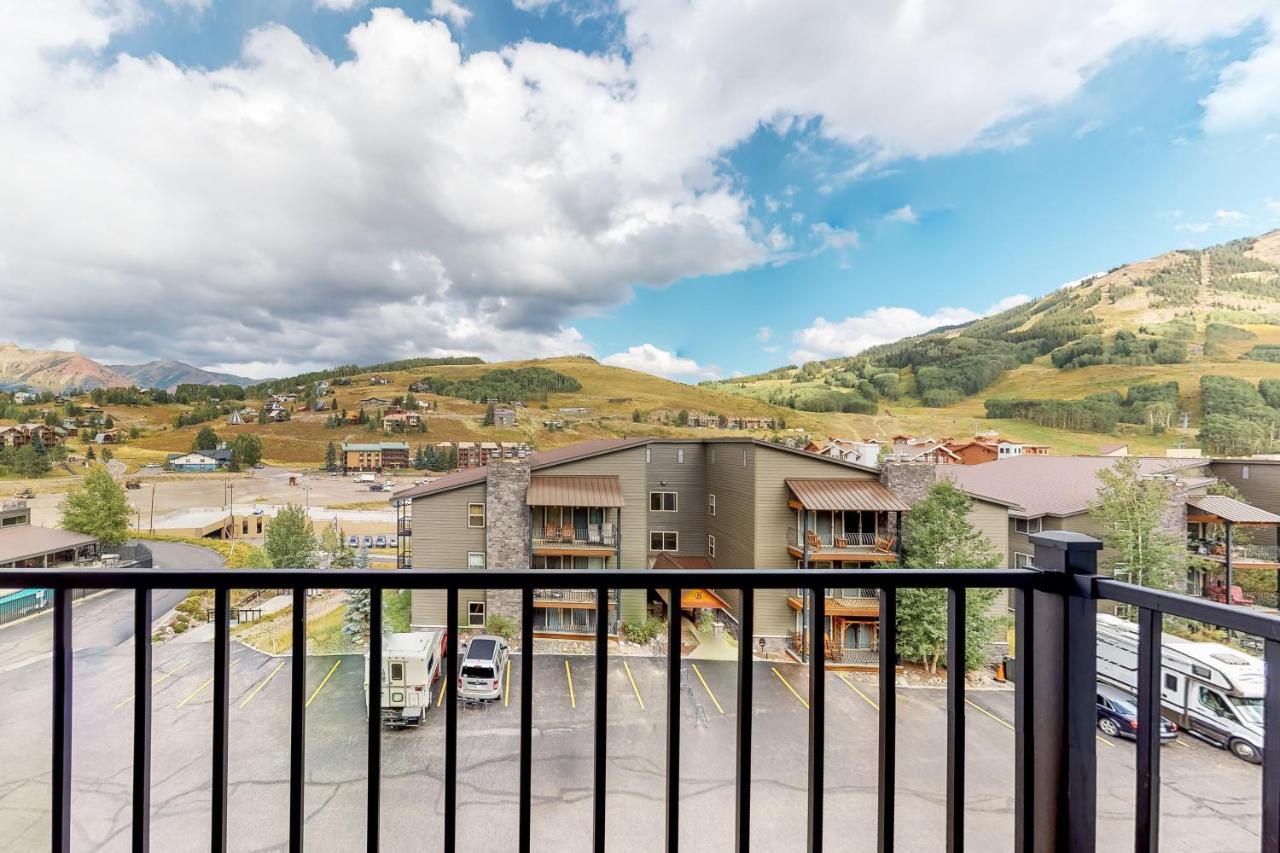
(851,686)
(568,674)
(177,669)
(706,687)
(1001,720)
(323,682)
(444,688)
(206,683)
(789,687)
(506,695)
(263,683)
(634,689)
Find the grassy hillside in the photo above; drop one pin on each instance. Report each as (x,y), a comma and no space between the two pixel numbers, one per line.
(1176,317)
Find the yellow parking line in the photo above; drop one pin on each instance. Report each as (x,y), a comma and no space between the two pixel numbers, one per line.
(789,687)
(568,673)
(634,689)
(852,687)
(173,671)
(263,683)
(1105,743)
(506,695)
(207,682)
(706,687)
(1001,720)
(444,688)
(323,682)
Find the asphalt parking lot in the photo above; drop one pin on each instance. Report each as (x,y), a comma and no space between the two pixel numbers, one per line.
(1211,800)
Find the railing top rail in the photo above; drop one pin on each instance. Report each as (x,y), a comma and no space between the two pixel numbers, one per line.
(1233,617)
(524,579)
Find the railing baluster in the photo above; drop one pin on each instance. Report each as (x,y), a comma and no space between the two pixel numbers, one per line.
(887,780)
(298,724)
(221,697)
(451,721)
(62,718)
(1024,771)
(817,714)
(746,683)
(1271,750)
(600,754)
(526,721)
(374,703)
(1147,819)
(955,719)
(673,722)
(142,617)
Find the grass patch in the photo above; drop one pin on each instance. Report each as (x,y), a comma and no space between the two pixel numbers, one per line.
(274,633)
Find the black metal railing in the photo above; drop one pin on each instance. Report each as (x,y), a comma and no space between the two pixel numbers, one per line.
(1054,713)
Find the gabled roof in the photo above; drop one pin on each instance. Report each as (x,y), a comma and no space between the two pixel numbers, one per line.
(1055,485)
(1230,509)
(845,494)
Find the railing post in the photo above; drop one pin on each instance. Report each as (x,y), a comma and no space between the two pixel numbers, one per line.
(1063,682)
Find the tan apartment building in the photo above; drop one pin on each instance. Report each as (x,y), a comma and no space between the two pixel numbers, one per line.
(374,456)
(724,503)
(1056,493)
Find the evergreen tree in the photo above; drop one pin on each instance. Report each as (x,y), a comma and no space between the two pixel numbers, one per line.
(937,534)
(97,507)
(262,415)
(290,542)
(431,459)
(331,457)
(247,448)
(488,416)
(682,417)
(206,439)
(636,417)
(89,454)
(419,459)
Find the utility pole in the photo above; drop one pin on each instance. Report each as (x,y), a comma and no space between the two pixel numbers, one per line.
(153,507)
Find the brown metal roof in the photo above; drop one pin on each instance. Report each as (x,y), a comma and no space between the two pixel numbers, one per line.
(1230,509)
(26,541)
(845,494)
(552,490)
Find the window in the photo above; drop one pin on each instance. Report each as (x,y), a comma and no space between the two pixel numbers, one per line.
(680,455)
(711,504)
(662,501)
(744,457)
(475,559)
(1170,681)
(397,672)
(1021,561)
(475,614)
(1244,472)
(711,546)
(475,515)
(648,453)
(713,455)
(1028,525)
(664,540)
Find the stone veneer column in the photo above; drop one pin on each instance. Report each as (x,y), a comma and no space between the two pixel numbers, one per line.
(506,534)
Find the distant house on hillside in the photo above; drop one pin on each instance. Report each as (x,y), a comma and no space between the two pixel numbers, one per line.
(400,421)
(21,435)
(22,398)
(1113,450)
(107,436)
(375,379)
(504,417)
(375,401)
(199,461)
(235,419)
(374,456)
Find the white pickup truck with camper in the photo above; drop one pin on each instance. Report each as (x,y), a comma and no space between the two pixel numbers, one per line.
(1210,690)
(365,478)
(410,666)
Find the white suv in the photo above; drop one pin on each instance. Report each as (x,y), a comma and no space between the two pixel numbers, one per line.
(484,665)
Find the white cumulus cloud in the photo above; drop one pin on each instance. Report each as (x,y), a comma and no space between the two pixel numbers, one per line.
(902,214)
(764,334)
(339,5)
(651,359)
(1248,91)
(850,336)
(454,11)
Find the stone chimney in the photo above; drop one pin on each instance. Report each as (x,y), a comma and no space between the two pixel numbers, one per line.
(910,481)
(506,535)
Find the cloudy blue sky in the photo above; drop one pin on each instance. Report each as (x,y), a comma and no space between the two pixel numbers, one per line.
(691,188)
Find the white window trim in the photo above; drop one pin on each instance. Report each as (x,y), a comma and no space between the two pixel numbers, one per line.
(1027,524)
(484,516)
(1017,554)
(675,501)
(482,562)
(664,534)
(680,455)
(711,545)
(648,453)
(711,504)
(471,621)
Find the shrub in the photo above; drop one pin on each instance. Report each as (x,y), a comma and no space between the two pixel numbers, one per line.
(643,633)
(503,626)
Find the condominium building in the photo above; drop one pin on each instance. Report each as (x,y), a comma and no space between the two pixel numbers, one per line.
(374,456)
(637,503)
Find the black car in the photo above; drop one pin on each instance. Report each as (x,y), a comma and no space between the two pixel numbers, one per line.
(1118,716)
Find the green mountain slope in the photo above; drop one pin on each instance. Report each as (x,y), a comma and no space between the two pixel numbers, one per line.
(1173,318)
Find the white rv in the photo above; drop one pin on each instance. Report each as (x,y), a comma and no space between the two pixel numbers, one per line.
(1208,689)
(410,666)
(365,478)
